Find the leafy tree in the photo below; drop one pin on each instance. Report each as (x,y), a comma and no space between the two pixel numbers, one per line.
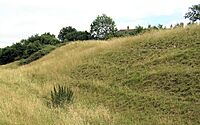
(32,48)
(139,29)
(64,31)
(32,39)
(7,55)
(19,50)
(26,47)
(194,13)
(83,35)
(78,35)
(48,38)
(103,27)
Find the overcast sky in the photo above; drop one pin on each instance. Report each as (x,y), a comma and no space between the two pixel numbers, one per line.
(20,19)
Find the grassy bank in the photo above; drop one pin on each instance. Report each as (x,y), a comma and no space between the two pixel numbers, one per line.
(152,78)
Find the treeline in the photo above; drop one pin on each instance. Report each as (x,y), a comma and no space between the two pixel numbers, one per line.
(26,47)
(36,46)
(103,27)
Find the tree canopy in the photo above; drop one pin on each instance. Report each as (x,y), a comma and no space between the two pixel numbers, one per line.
(103,27)
(194,13)
(26,47)
(64,32)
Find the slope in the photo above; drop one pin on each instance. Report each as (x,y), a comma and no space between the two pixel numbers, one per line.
(152,78)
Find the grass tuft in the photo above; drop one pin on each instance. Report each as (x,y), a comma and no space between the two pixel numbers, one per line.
(60,96)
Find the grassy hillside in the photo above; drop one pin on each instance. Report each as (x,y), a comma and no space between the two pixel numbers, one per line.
(148,79)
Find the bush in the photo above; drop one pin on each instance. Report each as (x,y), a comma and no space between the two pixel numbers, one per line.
(60,96)
(77,35)
(65,31)
(37,55)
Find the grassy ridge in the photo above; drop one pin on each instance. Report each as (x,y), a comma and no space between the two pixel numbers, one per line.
(148,79)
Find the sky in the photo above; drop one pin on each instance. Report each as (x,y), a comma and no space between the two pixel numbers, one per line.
(20,19)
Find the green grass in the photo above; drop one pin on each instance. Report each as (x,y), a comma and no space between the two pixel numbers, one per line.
(152,78)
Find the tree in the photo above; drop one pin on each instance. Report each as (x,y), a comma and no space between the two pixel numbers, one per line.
(194,13)
(48,38)
(8,55)
(78,35)
(32,48)
(139,29)
(27,47)
(64,31)
(103,27)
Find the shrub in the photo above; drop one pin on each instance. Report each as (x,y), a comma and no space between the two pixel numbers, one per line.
(60,96)
(65,31)
(37,55)
(77,35)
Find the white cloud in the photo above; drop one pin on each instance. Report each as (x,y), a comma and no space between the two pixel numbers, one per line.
(22,18)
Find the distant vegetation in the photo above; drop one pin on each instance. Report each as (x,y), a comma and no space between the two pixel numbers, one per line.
(69,33)
(40,53)
(103,27)
(26,47)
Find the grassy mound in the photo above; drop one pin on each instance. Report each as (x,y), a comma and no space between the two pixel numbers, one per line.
(148,79)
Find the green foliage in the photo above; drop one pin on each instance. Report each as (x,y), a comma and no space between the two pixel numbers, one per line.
(68,34)
(194,13)
(48,38)
(103,27)
(77,35)
(37,55)
(31,48)
(138,29)
(8,54)
(26,47)
(65,31)
(43,39)
(60,96)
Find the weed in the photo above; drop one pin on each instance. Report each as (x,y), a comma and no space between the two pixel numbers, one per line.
(61,95)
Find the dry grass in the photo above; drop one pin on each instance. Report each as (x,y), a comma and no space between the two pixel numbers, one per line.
(147,79)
